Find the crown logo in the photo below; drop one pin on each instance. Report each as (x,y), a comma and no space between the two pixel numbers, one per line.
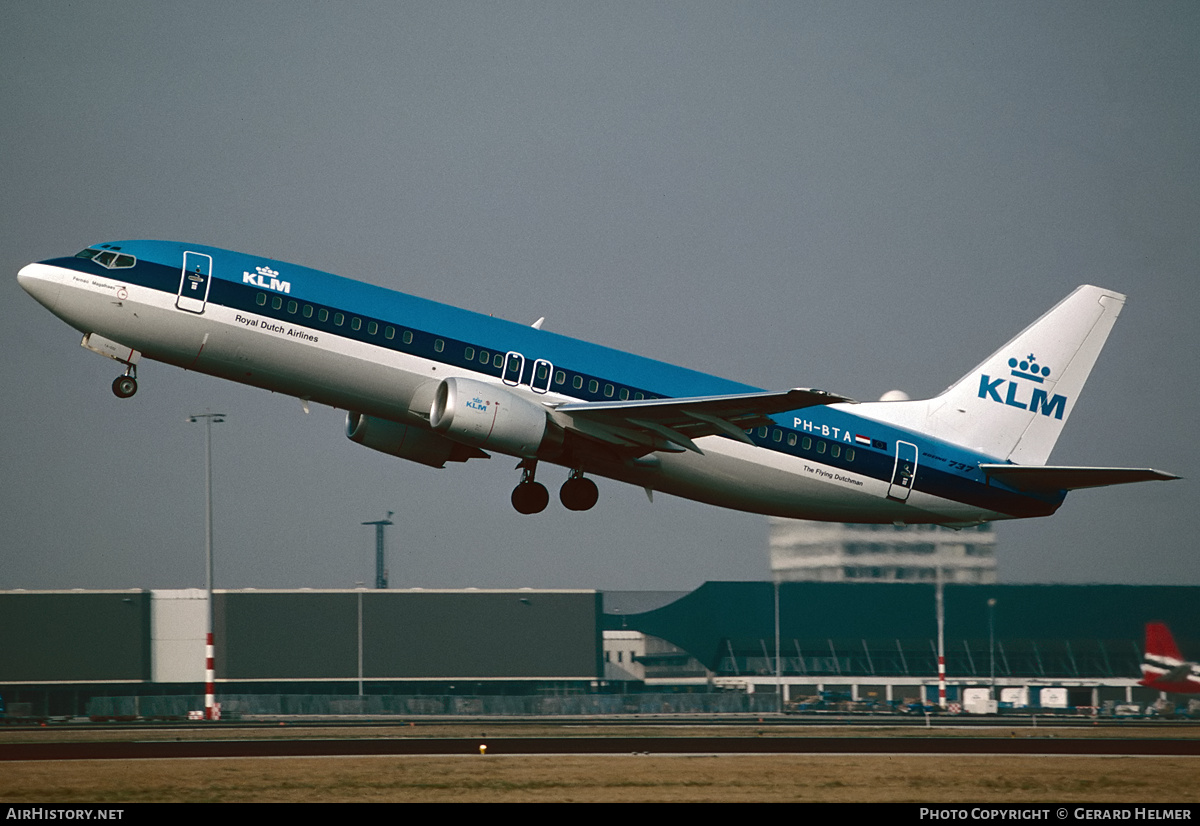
(267,271)
(1027,368)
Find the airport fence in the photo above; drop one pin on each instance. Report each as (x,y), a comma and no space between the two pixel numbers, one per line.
(314,705)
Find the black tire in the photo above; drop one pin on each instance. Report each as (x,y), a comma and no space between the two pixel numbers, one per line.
(530,497)
(579,494)
(124,386)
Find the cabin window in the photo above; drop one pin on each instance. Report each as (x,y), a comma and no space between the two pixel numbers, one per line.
(777,435)
(407,337)
(638,396)
(484,357)
(542,371)
(762,432)
(372,328)
(308,311)
(469,354)
(498,361)
(577,382)
(389,333)
(261,299)
(849,454)
(339,319)
(820,446)
(292,307)
(806,443)
(791,440)
(438,345)
(608,390)
(322,315)
(276,302)
(560,377)
(624,394)
(356,324)
(593,386)
(835,451)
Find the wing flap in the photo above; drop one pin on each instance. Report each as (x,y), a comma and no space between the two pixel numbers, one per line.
(671,424)
(1051,478)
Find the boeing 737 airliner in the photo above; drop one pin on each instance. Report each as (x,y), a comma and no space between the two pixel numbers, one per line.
(435,384)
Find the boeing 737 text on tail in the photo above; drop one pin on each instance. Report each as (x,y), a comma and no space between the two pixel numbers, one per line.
(435,384)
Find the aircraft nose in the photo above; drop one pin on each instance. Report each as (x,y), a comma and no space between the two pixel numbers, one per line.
(41,282)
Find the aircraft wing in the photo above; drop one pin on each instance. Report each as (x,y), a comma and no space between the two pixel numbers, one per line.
(673,424)
(1048,479)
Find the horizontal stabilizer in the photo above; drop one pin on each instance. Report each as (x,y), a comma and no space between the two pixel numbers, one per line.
(1048,479)
(654,423)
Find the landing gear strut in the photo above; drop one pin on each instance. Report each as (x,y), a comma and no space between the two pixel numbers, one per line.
(125,386)
(578,493)
(529,496)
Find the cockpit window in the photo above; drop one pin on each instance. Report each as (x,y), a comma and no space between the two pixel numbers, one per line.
(108,258)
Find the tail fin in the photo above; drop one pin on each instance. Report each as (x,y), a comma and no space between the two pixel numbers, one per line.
(1163,667)
(1160,643)
(1014,404)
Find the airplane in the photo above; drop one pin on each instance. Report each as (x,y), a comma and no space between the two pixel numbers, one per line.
(1163,667)
(434,384)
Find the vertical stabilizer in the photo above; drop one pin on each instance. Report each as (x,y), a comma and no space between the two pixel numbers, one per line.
(1014,404)
(1160,643)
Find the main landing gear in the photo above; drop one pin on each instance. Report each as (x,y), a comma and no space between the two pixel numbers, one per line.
(125,386)
(577,493)
(529,496)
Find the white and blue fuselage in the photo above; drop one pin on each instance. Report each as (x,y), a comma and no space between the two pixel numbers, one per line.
(434,383)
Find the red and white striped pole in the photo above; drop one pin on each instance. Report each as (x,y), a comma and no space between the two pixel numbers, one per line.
(941,681)
(210,688)
(211,711)
(941,639)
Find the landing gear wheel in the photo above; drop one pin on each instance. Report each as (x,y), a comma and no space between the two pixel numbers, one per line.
(124,386)
(578,494)
(530,497)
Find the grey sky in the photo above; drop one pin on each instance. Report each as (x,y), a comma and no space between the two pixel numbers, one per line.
(854,196)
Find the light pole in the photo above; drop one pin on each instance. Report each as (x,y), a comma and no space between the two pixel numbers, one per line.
(380,569)
(778,667)
(991,604)
(210,708)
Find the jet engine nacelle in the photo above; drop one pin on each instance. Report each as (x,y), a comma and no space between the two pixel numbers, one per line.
(488,416)
(406,441)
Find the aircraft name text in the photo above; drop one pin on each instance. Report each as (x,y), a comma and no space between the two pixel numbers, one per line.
(822,473)
(104,285)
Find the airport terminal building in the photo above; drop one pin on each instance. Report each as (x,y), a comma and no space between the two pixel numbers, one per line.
(72,653)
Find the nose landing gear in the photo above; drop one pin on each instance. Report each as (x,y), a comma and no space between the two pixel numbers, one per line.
(126,385)
(529,496)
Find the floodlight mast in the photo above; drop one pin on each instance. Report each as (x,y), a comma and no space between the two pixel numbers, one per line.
(380,570)
(210,703)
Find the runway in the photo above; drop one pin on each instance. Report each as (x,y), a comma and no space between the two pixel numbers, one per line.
(499,746)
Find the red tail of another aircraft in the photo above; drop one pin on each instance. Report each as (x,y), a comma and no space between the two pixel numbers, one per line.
(1163,666)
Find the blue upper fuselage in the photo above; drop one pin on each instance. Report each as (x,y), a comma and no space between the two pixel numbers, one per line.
(336,306)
